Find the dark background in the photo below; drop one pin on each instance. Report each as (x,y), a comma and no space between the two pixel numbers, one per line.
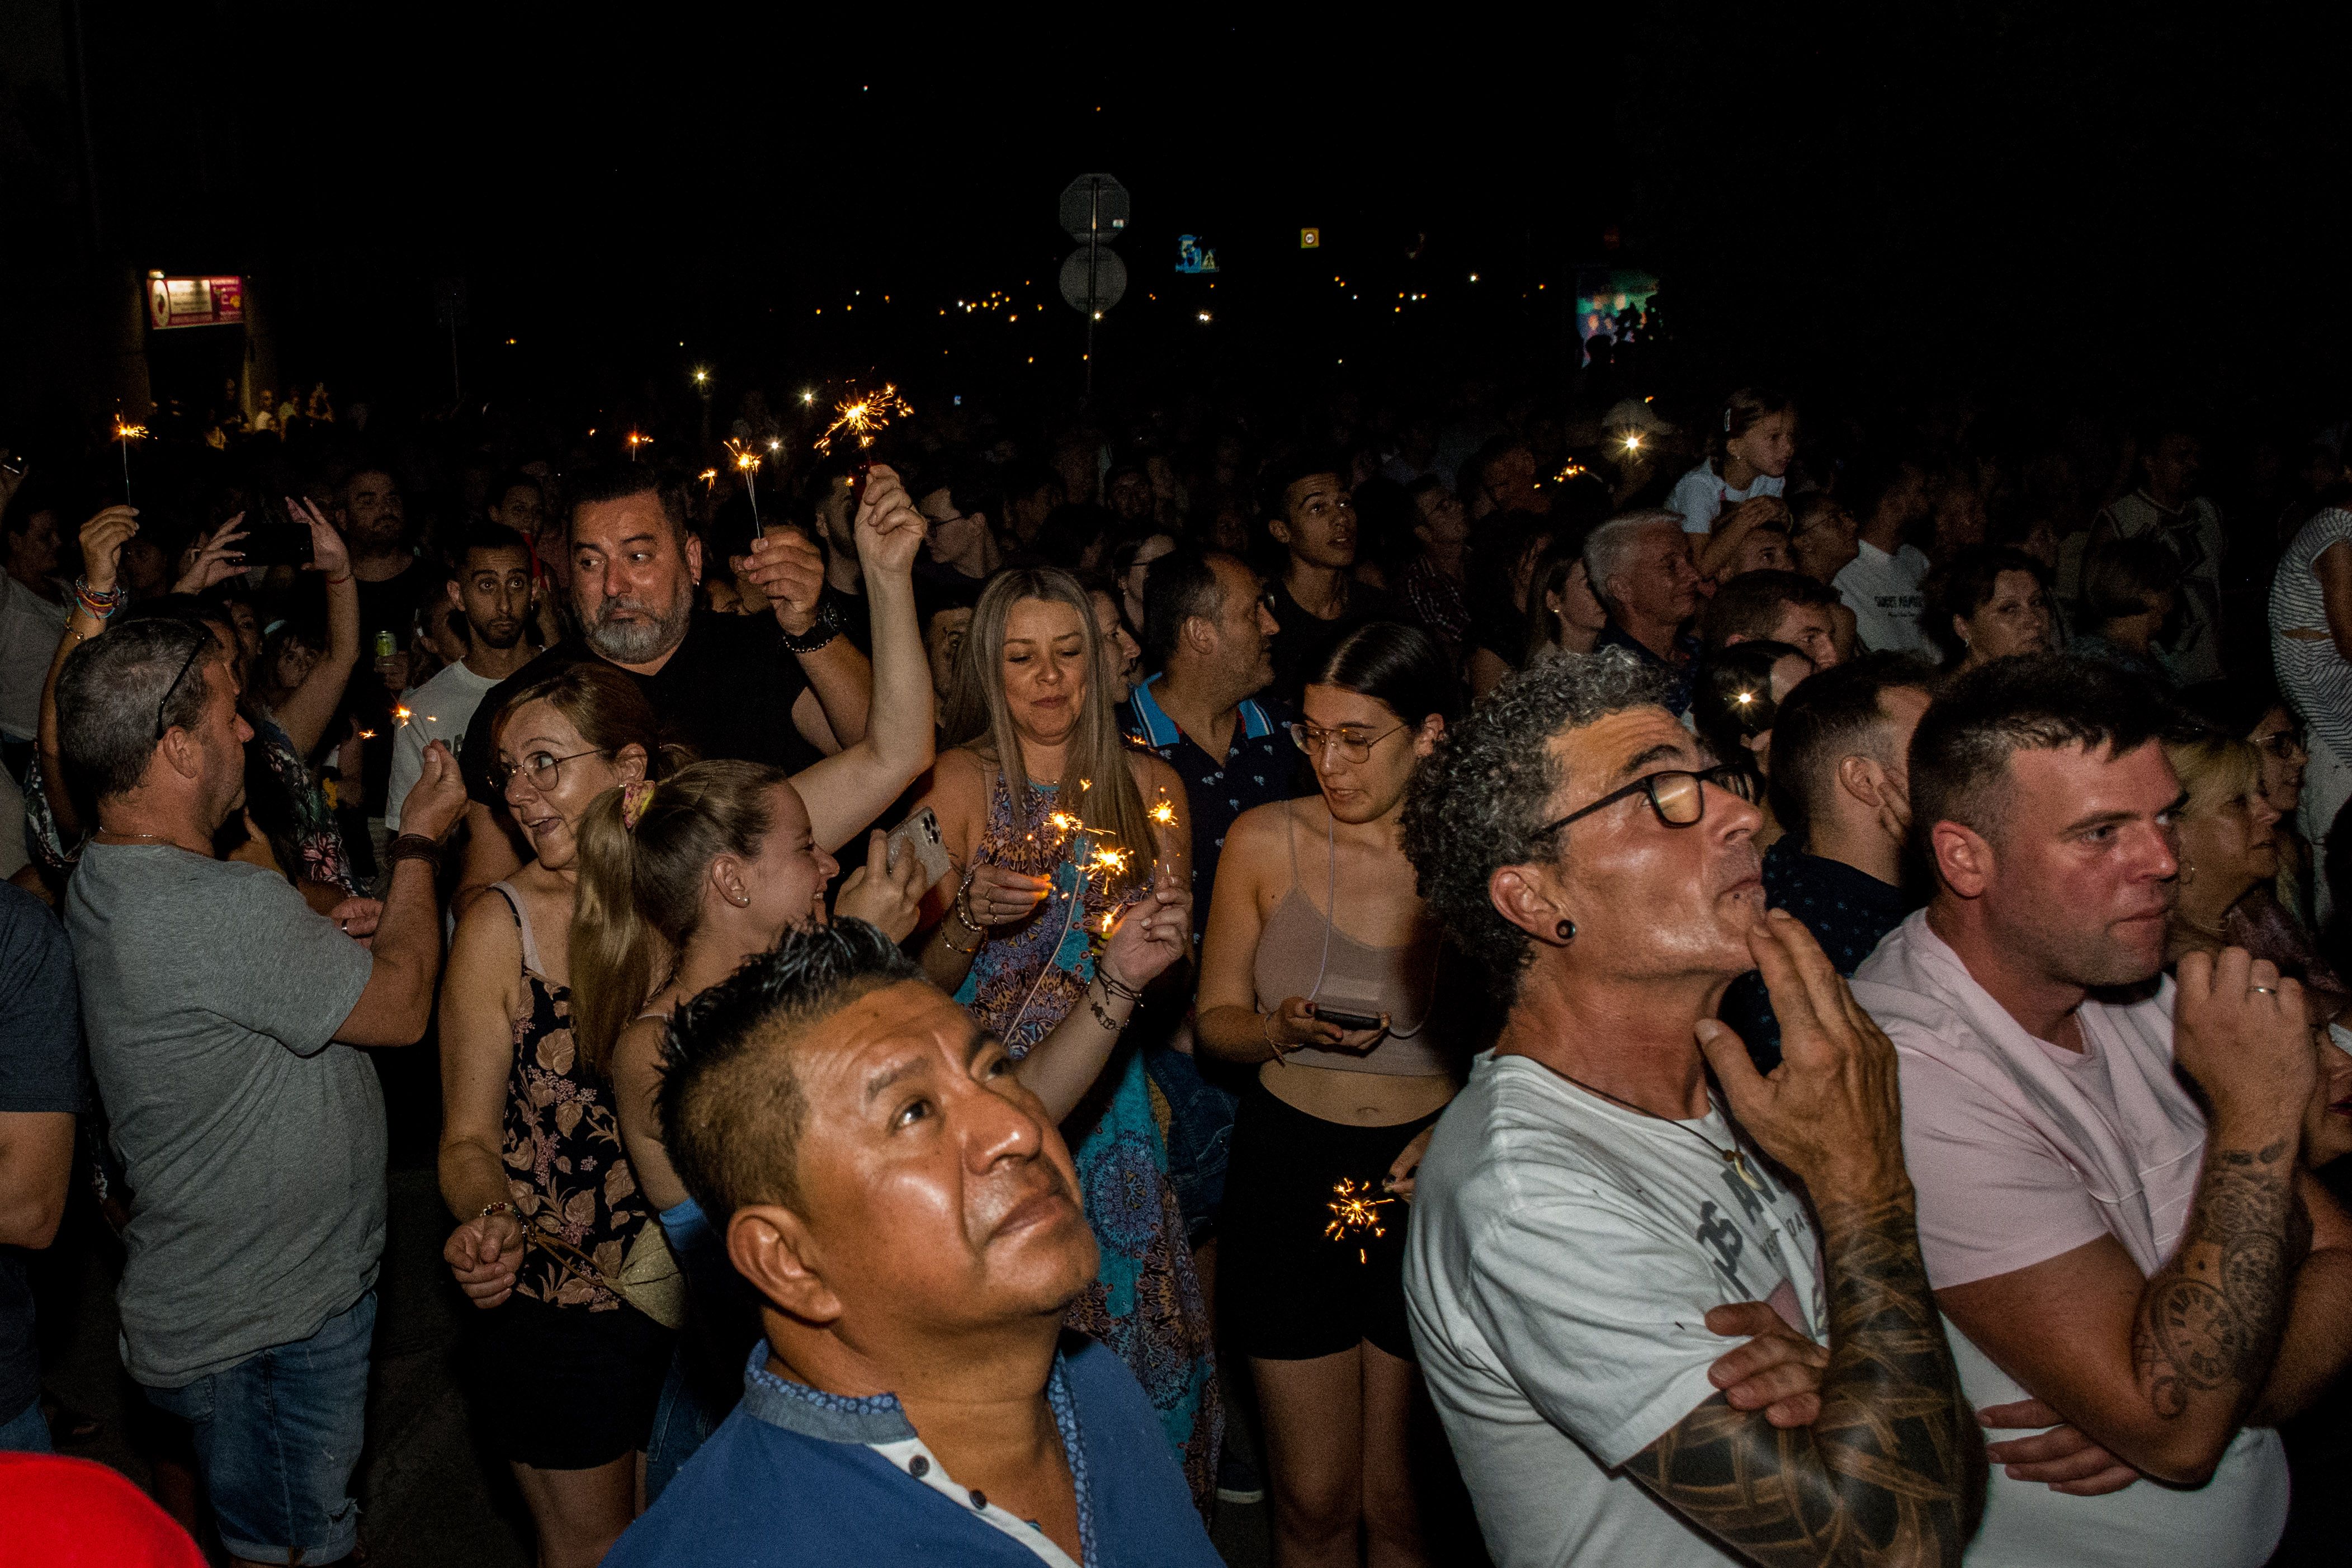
(2050,202)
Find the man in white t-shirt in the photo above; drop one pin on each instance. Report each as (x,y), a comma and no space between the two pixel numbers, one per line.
(2104,1252)
(1584,1209)
(490,586)
(1881,583)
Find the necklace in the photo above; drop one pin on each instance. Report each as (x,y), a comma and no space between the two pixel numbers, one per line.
(1735,1156)
(118,833)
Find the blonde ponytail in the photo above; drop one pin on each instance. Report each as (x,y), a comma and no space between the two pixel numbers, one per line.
(617,957)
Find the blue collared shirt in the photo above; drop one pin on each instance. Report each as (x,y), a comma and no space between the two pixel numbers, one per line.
(797,1476)
(1259,767)
(1679,674)
(1847,909)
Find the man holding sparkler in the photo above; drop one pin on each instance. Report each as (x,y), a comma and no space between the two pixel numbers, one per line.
(729,686)
(1588,1219)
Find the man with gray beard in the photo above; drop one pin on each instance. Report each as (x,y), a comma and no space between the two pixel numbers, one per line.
(732,687)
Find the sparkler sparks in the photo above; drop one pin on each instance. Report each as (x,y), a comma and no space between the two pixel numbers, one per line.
(1354,1212)
(635,441)
(863,415)
(747,463)
(1164,813)
(402,714)
(126,432)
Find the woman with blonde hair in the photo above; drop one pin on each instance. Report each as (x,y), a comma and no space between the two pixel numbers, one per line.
(552,1226)
(2229,853)
(1054,827)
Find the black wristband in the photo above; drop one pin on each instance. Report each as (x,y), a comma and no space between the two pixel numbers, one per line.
(820,632)
(413,847)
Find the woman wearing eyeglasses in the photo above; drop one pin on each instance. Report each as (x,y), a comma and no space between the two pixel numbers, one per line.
(568,1363)
(1322,964)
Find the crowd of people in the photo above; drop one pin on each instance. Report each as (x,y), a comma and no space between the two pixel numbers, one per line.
(1829,1051)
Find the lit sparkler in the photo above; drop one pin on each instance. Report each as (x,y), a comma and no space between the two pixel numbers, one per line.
(1164,812)
(402,714)
(127,433)
(1354,1212)
(710,478)
(863,415)
(747,463)
(636,441)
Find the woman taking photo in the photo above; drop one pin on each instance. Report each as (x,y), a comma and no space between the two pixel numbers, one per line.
(679,883)
(1053,829)
(550,1216)
(1341,1011)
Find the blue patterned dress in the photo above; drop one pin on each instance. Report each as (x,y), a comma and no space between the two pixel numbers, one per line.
(1146,1303)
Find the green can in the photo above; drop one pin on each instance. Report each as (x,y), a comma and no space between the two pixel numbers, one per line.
(386,645)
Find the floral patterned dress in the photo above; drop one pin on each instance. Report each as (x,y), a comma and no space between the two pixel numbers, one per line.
(1147,1302)
(566,1170)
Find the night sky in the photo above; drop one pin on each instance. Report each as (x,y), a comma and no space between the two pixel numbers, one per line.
(1912,196)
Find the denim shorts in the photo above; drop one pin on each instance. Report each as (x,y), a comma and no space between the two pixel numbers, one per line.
(278,1434)
(1200,1135)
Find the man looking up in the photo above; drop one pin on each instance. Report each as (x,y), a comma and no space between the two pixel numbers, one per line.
(1839,745)
(1773,606)
(1316,600)
(2107,1253)
(221,1011)
(907,1217)
(731,687)
(490,586)
(1586,1214)
(1881,583)
(1641,569)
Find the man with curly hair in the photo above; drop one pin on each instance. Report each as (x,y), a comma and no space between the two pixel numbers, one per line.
(1588,1219)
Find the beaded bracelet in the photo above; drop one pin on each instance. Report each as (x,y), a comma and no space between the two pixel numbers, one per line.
(102,603)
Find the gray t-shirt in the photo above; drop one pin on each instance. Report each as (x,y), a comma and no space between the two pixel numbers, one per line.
(253,1145)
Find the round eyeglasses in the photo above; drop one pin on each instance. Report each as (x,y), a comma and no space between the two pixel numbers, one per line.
(1351,741)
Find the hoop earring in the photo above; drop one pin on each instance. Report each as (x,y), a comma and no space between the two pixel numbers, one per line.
(1565,931)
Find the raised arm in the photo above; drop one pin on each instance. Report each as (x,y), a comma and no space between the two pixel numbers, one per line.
(2161,1371)
(102,539)
(848,791)
(305,714)
(832,714)
(397,1004)
(1892,1472)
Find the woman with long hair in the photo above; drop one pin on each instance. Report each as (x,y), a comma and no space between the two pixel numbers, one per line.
(1055,828)
(679,883)
(1501,567)
(554,1232)
(1564,614)
(1321,967)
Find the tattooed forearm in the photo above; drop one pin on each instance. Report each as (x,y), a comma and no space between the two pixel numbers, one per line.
(1892,1473)
(2211,1319)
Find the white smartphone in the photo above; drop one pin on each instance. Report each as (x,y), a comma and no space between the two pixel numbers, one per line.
(919,834)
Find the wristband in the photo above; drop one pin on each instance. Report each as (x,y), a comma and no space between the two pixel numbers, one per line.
(1116,988)
(102,603)
(963,911)
(489,1209)
(413,847)
(339,582)
(1280,1055)
(820,632)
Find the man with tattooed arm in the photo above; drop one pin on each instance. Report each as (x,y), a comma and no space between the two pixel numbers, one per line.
(1589,1219)
(2111,1247)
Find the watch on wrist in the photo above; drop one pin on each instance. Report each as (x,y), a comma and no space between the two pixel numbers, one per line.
(822,631)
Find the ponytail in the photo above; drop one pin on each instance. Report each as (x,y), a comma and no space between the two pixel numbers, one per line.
(644,850)
(1743,408)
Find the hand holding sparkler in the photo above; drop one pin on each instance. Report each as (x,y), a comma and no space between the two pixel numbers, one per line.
(1152,934)
(786,565)
(889,528)
(996,897)
(102,539)
(127,433)
(860,416)
(1356,1217)
(1406,1166)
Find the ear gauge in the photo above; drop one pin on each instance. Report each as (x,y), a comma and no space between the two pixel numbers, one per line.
(1565,931)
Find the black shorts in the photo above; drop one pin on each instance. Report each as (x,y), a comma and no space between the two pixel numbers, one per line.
(1289,1291)
(562,1388)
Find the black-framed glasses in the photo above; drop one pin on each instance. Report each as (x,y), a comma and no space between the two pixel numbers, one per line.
(543,770)
(1312,738)
(2284,743)
(1678,796)
(173,690)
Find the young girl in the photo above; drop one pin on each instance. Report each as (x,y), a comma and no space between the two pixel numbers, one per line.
(1754,441)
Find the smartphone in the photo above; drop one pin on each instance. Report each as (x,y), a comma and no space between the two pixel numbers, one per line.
(919,836)
(276,544)
(1350,1020)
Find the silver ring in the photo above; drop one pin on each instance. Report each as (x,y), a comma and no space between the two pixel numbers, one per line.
(2264,990)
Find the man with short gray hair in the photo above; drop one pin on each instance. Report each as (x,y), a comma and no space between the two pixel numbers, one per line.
(1641,569)
(221,1012)
(1587,1220)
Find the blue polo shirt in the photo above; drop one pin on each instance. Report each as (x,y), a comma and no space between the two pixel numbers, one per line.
(1259,767)
(796,1476)
(1846,908)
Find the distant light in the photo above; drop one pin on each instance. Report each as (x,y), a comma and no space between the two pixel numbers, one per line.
(1097,315)
(1474,277)
(510,343)
(1204,315)
(808,398)
(774,445)
(701,378)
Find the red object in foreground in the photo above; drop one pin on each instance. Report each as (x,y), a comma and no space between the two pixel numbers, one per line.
(57,1513)
(865,470)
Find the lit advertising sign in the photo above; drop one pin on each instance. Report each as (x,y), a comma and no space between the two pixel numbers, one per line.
(195,301)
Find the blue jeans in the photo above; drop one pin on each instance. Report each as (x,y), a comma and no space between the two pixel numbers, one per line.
(1200,1138)
(28,1433)
(681,1425)
(278,1434)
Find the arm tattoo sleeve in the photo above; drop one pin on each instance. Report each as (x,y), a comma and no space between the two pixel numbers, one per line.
(2209,1320)
(1892,1473)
